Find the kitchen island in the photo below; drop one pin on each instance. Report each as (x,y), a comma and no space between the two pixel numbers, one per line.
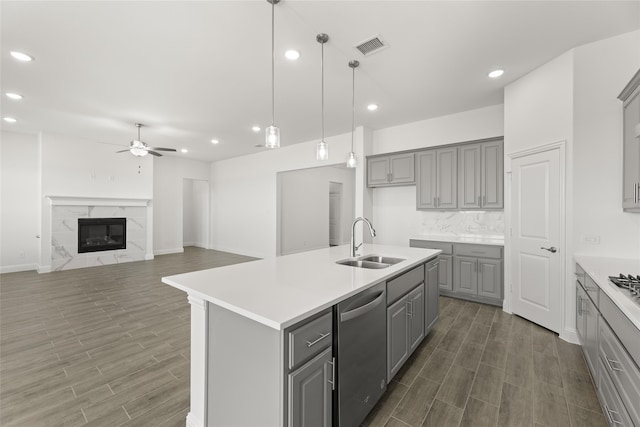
(240,317)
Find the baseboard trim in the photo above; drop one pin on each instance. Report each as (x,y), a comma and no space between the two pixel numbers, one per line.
(192,422)
(18,268)
(44,269)
(570,335)
(168,251)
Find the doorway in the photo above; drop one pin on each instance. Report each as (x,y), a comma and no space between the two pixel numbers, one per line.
(195,213)
(335,213)
(538,235)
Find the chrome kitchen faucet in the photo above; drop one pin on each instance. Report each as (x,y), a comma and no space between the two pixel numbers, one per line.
(353,246)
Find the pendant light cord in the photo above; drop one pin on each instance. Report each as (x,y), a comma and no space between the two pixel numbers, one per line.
(353,105)
(322,86)
(273,60)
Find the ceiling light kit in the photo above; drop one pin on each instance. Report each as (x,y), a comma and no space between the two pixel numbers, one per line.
(9,119)
(215,141)
(496,73)
(256,128)
(352,160)
(372,107)
(141,149)
(292,54)
(322,149)
(15,96)
(272,133)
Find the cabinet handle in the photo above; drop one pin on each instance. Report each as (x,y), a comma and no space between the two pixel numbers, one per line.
(609,364)
(479,203)
(435,202)
(484,200)
(322,336)
(438,200)
(333,373)
(580,305)
(610,415)
(409,309)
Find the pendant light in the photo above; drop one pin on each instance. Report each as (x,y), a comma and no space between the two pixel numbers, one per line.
(322,149)
(352,160)
(272,133)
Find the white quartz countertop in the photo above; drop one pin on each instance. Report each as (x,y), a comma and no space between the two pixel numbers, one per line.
(600,268)
(465,238)
(278,292)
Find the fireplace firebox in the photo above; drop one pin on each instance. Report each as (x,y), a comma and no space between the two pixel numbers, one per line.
(101,234)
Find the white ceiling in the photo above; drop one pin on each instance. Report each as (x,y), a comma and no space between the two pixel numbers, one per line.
(193,71)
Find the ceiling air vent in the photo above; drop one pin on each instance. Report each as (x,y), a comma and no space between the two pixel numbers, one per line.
(372,45)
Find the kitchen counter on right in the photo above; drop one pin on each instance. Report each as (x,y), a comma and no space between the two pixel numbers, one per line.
(475,239)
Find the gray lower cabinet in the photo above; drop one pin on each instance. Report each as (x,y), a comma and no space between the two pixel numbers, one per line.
(445,261)
(405,328)
(480,175)
(432,294)
(477,272)
(310,392)
(390,170)
(630,97)
(437,179)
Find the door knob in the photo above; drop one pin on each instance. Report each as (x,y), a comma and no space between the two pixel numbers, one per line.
(552,249)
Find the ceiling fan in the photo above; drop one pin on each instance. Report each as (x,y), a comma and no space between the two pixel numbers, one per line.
(140,149)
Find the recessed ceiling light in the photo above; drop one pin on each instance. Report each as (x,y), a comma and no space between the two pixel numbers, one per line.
(372,107)
(9,119)
(496,73)
(21,56)
(15,96)
(292,54)
(184,150)
(256,128)
(214,141)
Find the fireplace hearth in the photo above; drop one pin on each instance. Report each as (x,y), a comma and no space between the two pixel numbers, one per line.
(101,234)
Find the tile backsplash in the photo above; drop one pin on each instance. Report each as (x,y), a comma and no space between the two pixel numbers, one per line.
(475,223)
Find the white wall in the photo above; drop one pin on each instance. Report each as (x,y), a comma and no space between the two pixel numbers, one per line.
(394,208)
(602,70)
(168,181)
(303,222)
(196,207)
(19,201)
(244,193)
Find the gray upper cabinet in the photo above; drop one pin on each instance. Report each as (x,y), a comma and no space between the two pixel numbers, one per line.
(631,145)
(437,179)
(480,175)
(389,170)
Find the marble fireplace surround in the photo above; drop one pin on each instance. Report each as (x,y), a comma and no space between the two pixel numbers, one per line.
(60,241)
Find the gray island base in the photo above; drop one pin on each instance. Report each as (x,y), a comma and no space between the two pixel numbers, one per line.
(263,344)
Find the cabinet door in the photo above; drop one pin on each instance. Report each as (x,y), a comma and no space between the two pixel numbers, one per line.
(426,186)
(492,175)
(445,272)
(402,168)
(591,315)
(397,337)
(580,317)
(377,171)
(469,167)
(415,301)
(432,294)
(310,392)
(447,178)
(465,275)
(490,278)
(631,154)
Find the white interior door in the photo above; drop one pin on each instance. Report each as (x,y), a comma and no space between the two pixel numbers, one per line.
(537,234)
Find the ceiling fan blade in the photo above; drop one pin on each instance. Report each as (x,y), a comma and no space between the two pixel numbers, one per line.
(153,153)
(162,149)
(122,151)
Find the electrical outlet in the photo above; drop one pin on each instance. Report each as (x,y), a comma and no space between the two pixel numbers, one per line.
(92,176)
(591,239)
(22,255)
(110,177)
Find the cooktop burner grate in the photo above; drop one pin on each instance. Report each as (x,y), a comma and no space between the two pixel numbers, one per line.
(629,281)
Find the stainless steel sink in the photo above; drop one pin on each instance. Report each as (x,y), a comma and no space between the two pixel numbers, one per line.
(381,259)
(370,261)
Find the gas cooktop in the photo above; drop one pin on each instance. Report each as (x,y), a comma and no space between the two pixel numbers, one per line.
(630,282)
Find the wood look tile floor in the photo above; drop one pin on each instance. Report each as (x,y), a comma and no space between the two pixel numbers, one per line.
(109,346)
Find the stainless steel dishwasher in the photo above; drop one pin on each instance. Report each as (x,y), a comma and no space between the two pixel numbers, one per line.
(361,355)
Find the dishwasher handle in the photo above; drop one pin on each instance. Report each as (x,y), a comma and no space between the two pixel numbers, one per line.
(363,309)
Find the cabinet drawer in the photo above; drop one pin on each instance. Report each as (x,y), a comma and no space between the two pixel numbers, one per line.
(623,372)
(592,290)
(479,251)
(310,339)
(622,327)
(445,247)
(399,286)
(580,274)
(614,409)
